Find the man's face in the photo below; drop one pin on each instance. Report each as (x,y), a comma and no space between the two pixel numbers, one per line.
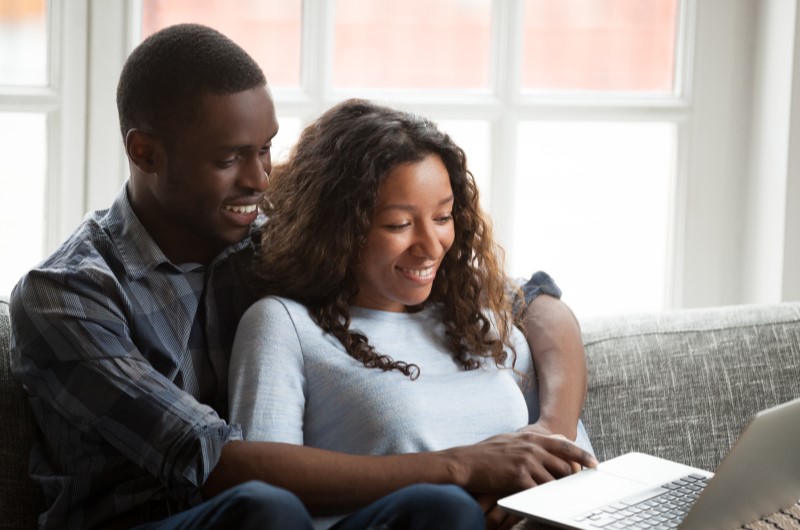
(216,173)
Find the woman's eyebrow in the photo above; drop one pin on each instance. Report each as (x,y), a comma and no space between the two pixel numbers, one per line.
(409,207)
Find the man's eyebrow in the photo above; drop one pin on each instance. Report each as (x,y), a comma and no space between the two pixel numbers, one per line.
(236,147)
(241,147)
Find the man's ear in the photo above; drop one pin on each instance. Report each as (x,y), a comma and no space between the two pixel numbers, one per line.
(144,151)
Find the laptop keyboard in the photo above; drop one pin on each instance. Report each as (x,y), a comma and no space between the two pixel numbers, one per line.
(662,507)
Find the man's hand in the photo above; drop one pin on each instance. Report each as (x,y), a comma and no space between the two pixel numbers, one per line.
(558,457)
(508,463)
(543,429)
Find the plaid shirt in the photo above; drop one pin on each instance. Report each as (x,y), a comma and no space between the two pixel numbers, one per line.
(129,400)
(124,356)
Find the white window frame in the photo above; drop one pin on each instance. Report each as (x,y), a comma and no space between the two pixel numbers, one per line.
(736,235)
(63,102)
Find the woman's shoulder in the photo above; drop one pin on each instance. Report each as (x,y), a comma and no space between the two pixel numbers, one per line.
(274,319)
(275,307)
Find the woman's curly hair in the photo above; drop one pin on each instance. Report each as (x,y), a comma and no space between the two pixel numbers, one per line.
(320,205)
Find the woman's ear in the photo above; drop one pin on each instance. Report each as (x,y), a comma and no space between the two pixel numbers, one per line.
(144,150)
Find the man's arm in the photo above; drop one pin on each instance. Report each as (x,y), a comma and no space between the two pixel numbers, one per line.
(73,351)
(555,340)
(329,482)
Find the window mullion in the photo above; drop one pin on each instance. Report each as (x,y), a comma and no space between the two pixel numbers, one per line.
(506,61)
(66,124)
(318,20)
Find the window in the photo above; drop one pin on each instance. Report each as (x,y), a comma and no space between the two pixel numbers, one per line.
(708,85)
(23,140)
(41,181)
(604,194)
(623,45)
(414,44)
(270,30)
(23,28)
(562,186)
(23,136)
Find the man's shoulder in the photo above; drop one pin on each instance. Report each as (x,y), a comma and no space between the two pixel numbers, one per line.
(87,251)
(85,261)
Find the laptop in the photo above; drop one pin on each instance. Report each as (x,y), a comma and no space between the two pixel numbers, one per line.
(759,476)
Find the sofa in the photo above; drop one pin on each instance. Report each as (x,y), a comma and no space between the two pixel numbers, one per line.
(676,384)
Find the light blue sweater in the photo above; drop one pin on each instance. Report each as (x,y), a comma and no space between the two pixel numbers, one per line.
(290,382)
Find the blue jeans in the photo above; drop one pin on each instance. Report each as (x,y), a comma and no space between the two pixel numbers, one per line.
(419,507)
(252,505)
(256,505)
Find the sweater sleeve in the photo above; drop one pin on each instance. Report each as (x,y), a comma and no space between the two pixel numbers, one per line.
(526,375)
(266,380)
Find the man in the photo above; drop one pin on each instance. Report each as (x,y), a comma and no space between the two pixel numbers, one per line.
(121,338)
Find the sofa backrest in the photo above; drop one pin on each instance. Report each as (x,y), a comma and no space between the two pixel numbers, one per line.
(20,498)
(682,384)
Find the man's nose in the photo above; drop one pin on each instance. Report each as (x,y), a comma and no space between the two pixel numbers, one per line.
(256,175)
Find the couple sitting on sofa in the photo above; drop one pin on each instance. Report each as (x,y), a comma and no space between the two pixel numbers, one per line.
(405,341)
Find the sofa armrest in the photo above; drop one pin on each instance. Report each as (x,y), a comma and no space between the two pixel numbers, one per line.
(22,500)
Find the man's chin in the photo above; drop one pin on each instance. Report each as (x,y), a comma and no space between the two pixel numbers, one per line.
(234,236)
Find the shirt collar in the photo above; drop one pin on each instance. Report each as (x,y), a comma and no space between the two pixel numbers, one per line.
(139,252)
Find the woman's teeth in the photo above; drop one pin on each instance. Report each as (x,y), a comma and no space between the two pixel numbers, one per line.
(422,273)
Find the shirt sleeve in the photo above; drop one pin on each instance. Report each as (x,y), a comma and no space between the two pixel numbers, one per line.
(267,388)
(539,283)
(73,351)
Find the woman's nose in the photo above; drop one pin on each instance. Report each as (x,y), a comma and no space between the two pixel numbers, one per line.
(427,244)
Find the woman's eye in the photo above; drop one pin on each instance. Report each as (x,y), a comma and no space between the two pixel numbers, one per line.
(397,227)
(445,218)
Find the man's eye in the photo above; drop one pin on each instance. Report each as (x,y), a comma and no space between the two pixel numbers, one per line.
(264,150)
(228,161)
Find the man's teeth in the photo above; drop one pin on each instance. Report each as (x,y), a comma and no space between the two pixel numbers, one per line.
(250,208)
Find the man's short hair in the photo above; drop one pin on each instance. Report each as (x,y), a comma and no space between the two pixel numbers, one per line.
(166,74)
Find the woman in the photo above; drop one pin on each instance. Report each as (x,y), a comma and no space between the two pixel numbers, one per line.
(390,327)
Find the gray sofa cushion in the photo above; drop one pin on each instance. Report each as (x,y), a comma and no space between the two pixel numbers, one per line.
(21,499)
(682,384)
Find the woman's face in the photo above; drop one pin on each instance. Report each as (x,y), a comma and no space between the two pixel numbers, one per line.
(412,229)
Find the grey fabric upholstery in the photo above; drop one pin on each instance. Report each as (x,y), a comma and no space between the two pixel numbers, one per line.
(678,384)
(682,384)
(20,498)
